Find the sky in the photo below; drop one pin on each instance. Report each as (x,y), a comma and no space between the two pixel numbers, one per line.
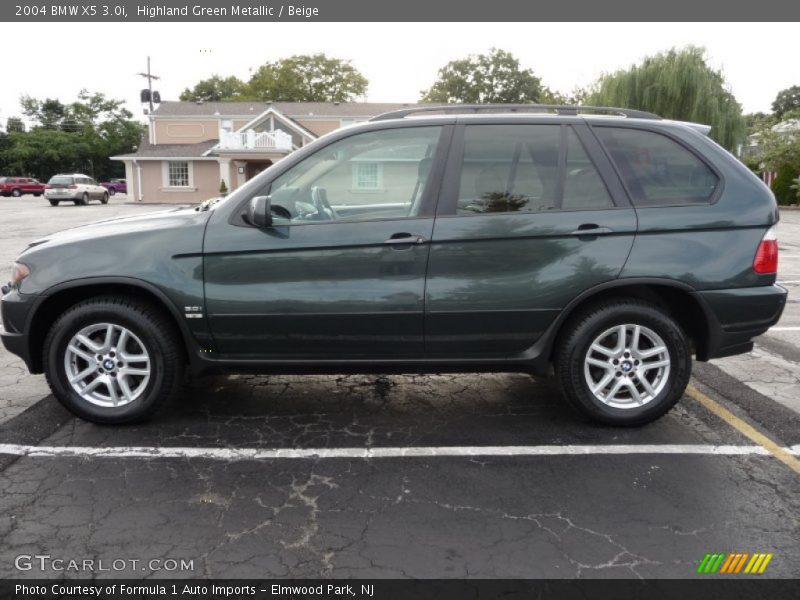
(398,59)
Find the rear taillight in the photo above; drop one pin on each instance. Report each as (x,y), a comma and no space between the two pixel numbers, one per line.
(72,186)
(766,260)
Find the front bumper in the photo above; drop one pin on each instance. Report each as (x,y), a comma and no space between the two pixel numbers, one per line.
(15,333)
(736,316)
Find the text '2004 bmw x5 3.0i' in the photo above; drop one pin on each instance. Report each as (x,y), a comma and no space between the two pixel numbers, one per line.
(608,244)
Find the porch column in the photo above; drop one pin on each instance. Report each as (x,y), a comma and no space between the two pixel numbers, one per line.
(225,172)
(241,171)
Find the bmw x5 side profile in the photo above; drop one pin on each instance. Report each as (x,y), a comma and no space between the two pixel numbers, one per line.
(607,246)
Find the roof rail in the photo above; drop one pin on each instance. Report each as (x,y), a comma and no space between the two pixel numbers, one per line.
(559,109)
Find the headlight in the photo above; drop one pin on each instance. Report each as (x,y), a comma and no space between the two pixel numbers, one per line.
(19,273)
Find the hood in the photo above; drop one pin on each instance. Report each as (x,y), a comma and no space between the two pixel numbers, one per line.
(175,217)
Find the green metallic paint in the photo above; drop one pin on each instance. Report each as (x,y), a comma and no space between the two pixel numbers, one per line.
(495,283)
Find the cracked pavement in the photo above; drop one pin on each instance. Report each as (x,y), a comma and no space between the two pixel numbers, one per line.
(589,516)
(556,516)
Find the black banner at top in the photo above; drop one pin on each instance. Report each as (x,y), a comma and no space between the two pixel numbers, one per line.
(394,10)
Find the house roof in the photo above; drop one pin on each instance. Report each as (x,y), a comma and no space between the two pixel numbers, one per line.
(148,150)
(291,109)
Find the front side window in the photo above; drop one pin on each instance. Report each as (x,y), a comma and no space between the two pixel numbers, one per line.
(178,174)
(657,170)
(517,169)
(374,175)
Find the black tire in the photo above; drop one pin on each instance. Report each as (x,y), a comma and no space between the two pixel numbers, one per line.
(574,344)
(112,191)
(84,200)
(16,193)
(37,194)
(104,199)
(158,336)
(53,202)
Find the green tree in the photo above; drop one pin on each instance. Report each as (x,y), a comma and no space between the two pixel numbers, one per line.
(216,89)
(786,100)
(307,78)
(782,185)
(43,152)
(678,84)
(14,124)
(496,77)
(80,136)
(48,113)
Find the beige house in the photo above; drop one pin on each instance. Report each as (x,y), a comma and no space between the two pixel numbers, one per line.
(191,147)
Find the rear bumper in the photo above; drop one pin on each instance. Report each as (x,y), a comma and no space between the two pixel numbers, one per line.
(736,316)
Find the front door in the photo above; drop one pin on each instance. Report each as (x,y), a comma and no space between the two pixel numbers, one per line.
(526,222)
(341,272)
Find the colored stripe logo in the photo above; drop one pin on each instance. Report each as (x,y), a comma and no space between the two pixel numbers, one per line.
(734,563)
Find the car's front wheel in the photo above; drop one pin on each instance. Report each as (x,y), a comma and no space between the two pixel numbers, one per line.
(104,199)
(623,362)
(112,360)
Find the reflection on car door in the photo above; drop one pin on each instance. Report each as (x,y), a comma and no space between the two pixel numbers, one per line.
(341,273)
(526,223)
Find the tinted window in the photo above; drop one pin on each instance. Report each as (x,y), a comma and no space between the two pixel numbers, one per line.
(515,168)
(60,180)
(379,174)
(583,186)
(657,170)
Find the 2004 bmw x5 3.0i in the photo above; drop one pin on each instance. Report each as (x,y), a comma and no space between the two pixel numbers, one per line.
(608,244)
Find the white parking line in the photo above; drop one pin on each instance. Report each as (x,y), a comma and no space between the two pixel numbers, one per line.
(784,328)
(244,454)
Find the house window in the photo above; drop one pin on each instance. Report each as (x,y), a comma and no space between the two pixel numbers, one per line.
(178,173)
(367,175)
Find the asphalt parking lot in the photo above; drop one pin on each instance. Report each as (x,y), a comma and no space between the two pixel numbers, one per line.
(403,476)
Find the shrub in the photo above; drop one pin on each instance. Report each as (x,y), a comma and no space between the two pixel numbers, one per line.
(782,185)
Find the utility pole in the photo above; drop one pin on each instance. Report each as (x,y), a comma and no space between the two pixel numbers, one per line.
(149,76)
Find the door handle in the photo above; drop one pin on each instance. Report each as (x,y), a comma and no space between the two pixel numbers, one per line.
(592,229)
(405,238)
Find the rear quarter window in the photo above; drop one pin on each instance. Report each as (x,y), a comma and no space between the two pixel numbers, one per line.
(657,170)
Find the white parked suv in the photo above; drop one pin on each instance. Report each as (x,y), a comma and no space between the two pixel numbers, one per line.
(75,188)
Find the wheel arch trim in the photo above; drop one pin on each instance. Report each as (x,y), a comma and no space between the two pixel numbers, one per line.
(543,350)
(188,339)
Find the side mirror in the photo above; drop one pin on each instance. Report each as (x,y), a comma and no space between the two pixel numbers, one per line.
(259,212)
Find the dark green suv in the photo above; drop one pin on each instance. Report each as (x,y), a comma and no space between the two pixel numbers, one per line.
(609,245)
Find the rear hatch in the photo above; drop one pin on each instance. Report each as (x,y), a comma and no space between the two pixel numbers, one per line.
(61,184)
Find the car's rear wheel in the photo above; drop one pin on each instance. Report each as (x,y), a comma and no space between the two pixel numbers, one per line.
(623,362)
(37,194)
(112,360)
(16,193)
(104,199)
(112,191)
(53,202)
(83,200)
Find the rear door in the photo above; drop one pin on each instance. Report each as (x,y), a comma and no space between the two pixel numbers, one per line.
(530,216)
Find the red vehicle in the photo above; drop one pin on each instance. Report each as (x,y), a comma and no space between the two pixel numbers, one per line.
(17,186)
(115,186)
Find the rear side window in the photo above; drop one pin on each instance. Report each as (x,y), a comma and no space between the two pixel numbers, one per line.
(658,171)
(520,168)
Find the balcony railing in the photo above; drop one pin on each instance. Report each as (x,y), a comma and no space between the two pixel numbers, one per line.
(276,141)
